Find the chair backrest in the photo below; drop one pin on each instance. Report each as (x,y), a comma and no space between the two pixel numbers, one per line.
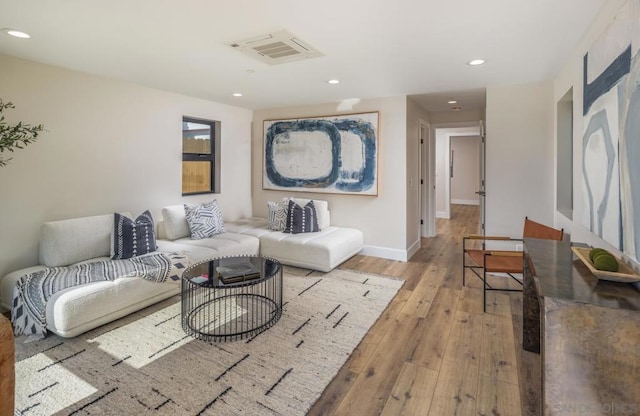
(534,229)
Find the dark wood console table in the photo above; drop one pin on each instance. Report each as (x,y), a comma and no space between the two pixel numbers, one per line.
(587,330)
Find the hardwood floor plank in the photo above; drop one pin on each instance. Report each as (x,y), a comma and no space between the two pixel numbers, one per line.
(498,357)
(465,339)
(369,393)
(470,300)
(498,303)
(362,355)
(498,398)
(421,297)
(456,389)
(430,351)
(412,393)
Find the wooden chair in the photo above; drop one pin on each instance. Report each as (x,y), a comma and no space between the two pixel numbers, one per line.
(483,261)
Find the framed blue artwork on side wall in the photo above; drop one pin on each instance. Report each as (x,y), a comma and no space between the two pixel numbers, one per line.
(329,154)
(611,137)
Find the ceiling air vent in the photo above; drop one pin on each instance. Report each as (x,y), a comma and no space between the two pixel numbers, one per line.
(276,48)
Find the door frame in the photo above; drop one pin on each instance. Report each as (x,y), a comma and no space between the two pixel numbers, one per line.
(426,195)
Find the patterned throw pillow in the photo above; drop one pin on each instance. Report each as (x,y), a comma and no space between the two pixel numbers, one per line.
(277,216)
(204,220)
(133,238)
(301,220)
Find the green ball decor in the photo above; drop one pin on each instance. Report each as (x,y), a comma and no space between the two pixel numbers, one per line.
(606,262)
(595,252)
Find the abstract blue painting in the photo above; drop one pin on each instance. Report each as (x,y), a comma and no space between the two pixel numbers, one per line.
(611,138)
(333,154)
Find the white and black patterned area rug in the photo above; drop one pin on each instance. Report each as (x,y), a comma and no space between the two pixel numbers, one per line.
(145,363)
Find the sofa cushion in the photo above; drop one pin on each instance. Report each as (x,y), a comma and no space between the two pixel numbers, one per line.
(132,238)
(322,209)
(70,241)
(195,253)
(226,244)
(205,220)
(301,219)
(175,222)
(254,226)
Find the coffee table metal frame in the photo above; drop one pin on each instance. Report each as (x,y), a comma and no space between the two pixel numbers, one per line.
(231,298)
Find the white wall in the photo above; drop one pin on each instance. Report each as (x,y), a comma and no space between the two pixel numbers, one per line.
(466,170)
(383,219)
(109,146)
(520,157)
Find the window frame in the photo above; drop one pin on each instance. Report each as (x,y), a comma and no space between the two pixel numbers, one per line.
(213,157)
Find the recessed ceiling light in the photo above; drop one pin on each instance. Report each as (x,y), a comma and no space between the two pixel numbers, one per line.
(334,81)
(476,62)
(16,33)
(452,102)
(237,94)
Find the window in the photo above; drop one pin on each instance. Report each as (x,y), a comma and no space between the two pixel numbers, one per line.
(200,156)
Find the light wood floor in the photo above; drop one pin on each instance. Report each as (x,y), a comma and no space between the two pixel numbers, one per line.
(433,351)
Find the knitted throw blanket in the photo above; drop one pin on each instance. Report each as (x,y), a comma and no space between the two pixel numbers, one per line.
(33,290)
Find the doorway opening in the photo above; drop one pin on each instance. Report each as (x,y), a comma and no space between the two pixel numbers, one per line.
(457,171)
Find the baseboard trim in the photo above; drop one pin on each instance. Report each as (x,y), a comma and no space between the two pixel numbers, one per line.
(413,249)
(443,214)
(384,253)
(465,201)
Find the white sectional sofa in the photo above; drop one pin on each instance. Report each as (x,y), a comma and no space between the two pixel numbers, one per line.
(73,311)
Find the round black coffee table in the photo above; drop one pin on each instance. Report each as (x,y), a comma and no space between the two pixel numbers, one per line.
(230,298)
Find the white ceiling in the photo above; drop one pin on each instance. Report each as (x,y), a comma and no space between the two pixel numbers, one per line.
(377,48)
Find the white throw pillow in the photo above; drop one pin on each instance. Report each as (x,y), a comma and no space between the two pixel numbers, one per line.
(175,222)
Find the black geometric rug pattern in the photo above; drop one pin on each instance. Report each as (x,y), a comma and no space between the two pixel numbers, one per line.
(146,364)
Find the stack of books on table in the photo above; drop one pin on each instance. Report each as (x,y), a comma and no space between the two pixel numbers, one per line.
(237,273)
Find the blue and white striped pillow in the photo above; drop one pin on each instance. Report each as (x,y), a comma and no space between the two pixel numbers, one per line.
(204,220)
